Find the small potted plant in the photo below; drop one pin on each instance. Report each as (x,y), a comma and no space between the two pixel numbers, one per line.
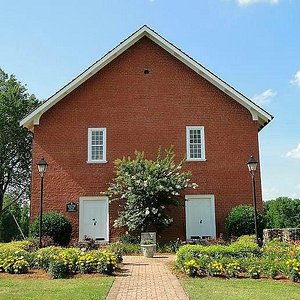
(148,248)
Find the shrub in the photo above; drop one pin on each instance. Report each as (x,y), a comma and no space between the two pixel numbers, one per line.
(128,238)
(55,225)
(124,248)
(105,262)
(215,268)
(146,188)
(243,247)
(171,247)
(293,265)
(43,256)
(240,221)
(58,267)
(191,268)
(232,268)
(86,263)
(14,265)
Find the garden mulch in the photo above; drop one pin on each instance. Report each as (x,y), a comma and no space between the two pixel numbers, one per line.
(147,278)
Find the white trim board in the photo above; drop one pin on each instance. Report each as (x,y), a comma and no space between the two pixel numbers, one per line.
(258,114)
(96,198)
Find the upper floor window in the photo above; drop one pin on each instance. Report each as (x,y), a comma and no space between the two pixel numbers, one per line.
(97,145)
(195,143)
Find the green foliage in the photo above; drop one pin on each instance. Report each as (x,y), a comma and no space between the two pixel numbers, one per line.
(128,238)
(9,227)
(86,263)
(43,256)
(241,258)
(171,247)
(15,141)
(15,265)
(243,247)
(105,262)
(55,225)
(240,221)
(146,188)
(58,267)
(124,248)
(58,262)
(282,212)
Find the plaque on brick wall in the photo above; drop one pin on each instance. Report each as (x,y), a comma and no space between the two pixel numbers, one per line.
(71,207)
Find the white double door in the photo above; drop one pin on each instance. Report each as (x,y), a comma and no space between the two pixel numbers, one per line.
(93,218)
(200,216)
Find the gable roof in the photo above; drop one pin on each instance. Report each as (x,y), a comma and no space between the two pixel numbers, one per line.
(258,114)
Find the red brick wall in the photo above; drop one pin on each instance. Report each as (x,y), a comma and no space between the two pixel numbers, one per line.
(142,112)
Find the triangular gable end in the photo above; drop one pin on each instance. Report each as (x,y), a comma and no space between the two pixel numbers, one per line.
(258,114)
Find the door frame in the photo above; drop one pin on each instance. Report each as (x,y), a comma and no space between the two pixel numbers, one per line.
(95,198)
(213,211)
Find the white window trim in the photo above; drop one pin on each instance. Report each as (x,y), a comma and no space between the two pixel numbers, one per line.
(90,160)
(188,158)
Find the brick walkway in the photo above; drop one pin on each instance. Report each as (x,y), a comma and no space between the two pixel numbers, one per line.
(146,278)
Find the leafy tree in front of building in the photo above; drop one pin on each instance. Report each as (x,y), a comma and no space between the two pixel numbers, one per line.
(146,188)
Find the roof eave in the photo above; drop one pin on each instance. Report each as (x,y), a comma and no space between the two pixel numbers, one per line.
(256,111)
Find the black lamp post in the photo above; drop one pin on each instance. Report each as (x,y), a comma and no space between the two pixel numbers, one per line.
(252,166)
(42,168)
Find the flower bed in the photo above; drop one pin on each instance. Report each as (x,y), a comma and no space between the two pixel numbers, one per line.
(241,259)
(58,262)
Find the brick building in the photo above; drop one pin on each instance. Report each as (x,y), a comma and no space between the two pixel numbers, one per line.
(143,94)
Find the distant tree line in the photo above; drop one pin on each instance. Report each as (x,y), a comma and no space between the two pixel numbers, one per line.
(282,212)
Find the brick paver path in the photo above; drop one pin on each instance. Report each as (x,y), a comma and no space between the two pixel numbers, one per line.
(146,278)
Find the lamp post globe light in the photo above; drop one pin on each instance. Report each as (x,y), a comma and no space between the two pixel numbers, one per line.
(42,168)
(252,166)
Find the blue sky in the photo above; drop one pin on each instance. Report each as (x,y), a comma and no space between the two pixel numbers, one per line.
(253,45)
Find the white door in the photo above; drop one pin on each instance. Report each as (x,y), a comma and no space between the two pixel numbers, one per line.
(93,218)
(200,216)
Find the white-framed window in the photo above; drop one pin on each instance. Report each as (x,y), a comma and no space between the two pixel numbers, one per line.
(195,144)
(96,145)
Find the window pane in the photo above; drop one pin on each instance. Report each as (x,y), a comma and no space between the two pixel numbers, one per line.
(97,145)
(195,143)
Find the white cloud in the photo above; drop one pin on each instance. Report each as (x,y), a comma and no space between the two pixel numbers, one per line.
(294,153)
(264,97)
(299,185)
(270,193)
(249,2)
(296,79)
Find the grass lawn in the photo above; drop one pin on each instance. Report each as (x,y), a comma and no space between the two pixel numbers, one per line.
(83,288)
(218,288)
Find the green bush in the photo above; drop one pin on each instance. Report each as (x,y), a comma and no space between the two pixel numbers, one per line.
(124,248)
(243,247)
(15,265)
(58,267)
(86,263)
(240,221)
(43,256)
(105,262)
(55,225)
(171,247)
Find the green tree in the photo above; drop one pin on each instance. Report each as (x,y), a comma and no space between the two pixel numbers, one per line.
(15,141)
(19,211)
(240,221)
(282,212)
(146,188)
